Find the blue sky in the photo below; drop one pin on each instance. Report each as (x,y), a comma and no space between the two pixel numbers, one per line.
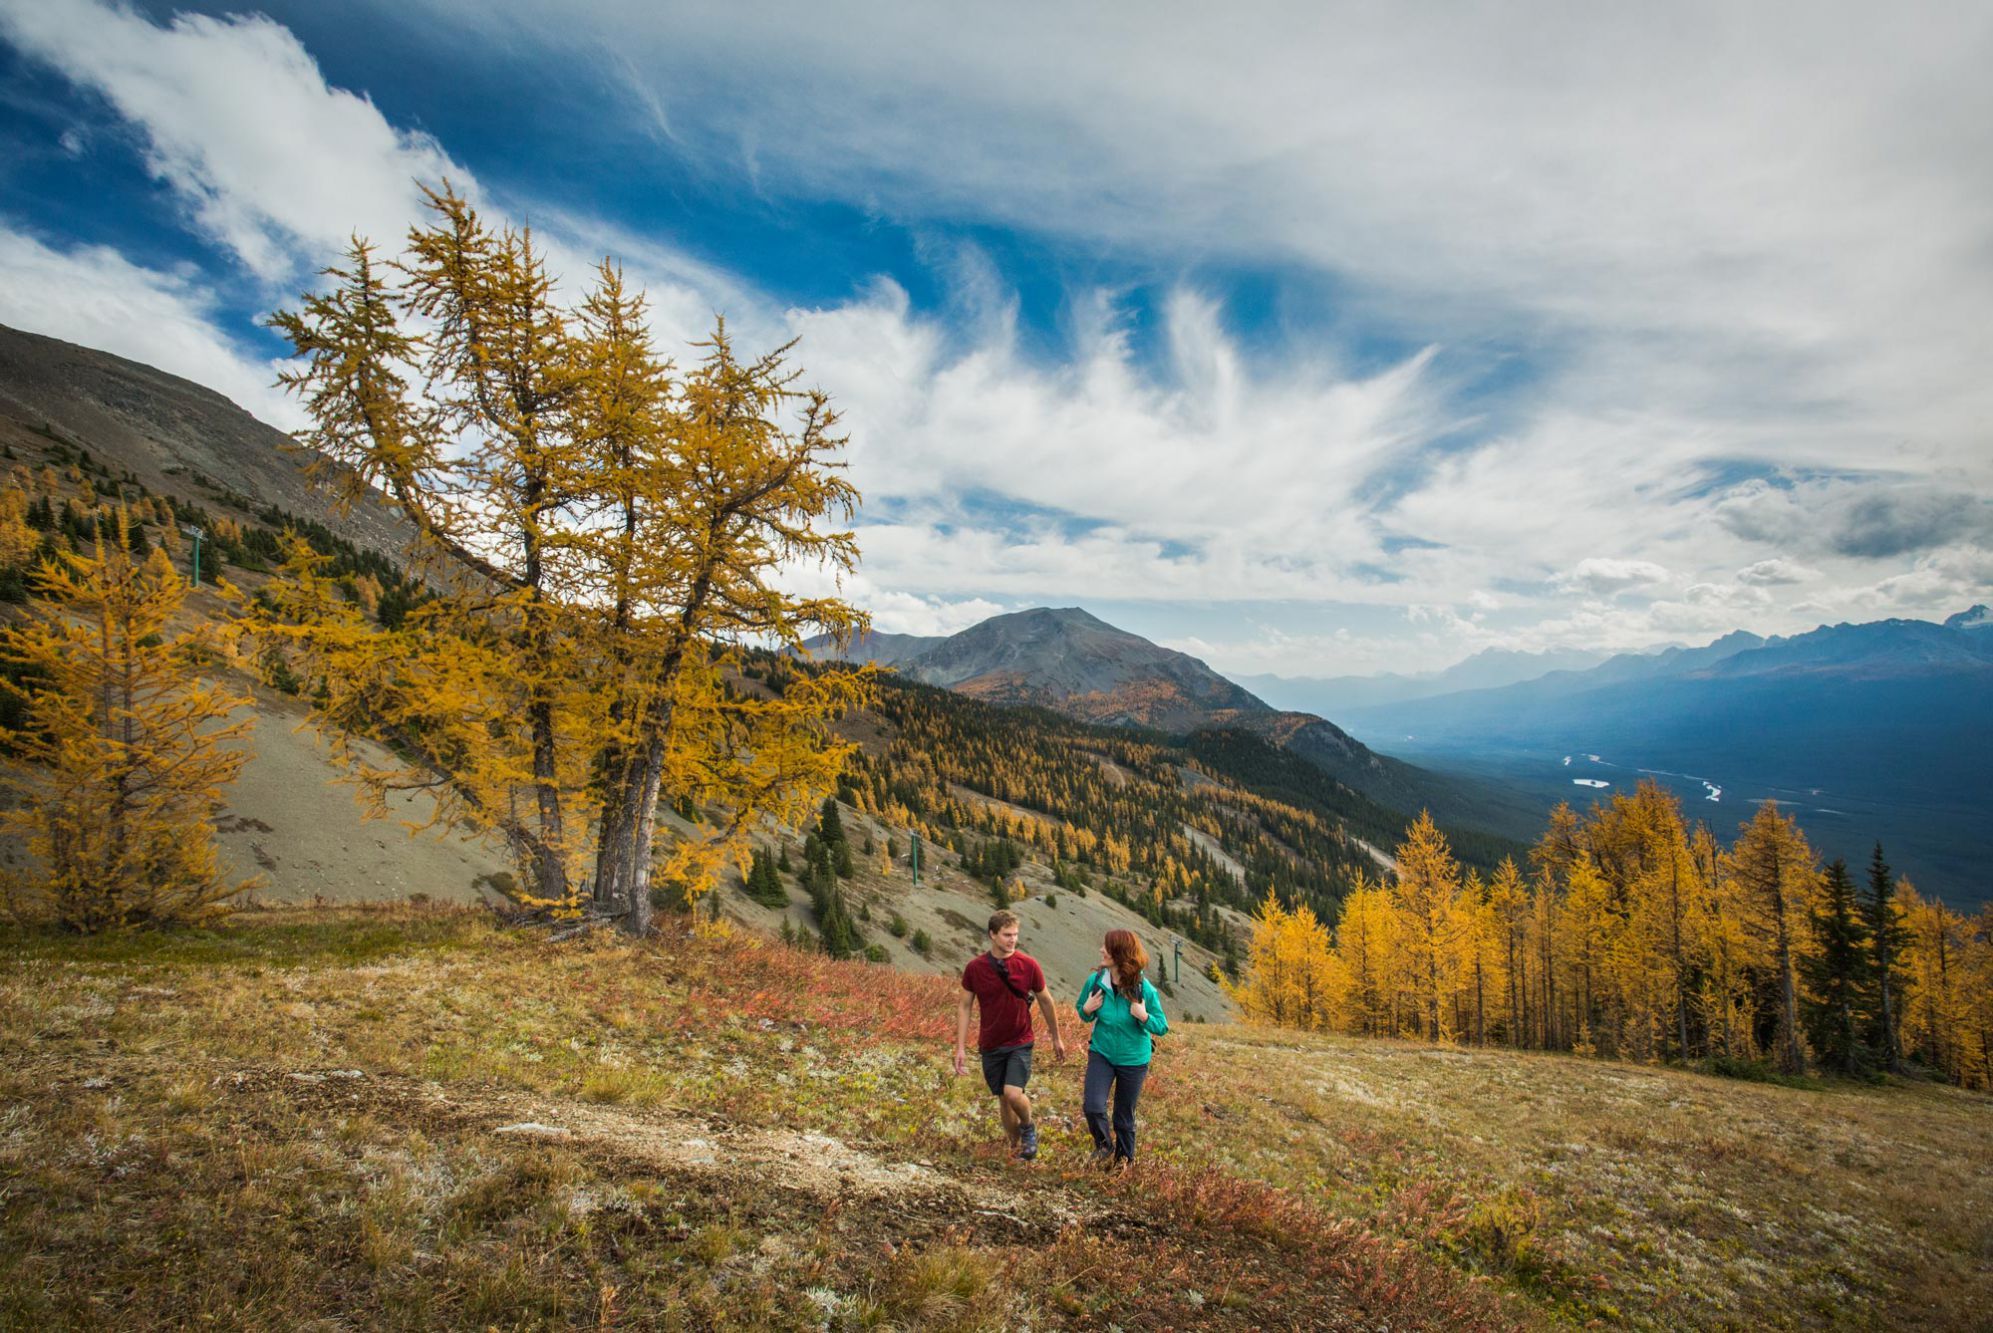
(1312,339)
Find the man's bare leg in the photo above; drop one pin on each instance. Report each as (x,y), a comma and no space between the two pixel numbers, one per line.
(1016,1106)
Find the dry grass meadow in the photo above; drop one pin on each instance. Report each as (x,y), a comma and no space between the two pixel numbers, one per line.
(405,1117)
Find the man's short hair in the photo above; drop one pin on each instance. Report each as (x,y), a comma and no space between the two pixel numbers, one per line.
(1002,919)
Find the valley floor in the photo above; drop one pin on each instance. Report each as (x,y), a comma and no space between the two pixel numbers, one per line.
(407,1117)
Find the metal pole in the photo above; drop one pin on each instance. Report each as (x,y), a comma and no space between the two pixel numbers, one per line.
(913,855)
(1179,962)
(196,534)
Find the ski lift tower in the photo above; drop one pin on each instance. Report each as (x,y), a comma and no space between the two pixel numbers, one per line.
(196,533)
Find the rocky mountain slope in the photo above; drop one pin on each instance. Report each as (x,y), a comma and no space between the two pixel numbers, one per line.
(174,436)
(1074,663)
(1080,665)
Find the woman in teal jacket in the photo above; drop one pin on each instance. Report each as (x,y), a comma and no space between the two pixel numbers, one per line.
(1127,1015)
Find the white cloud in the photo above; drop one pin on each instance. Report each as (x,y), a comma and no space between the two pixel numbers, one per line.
(1776,571)
(903,613)
(1599,575)
(1243,467)
(1679,199)
(1938,583)
(1336,653)
(238,120)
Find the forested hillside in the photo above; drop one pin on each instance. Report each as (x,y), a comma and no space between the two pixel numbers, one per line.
(1179,829)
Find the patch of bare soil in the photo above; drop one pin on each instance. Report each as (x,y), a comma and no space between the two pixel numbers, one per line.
(795,1185)
(1112,771)
(810,1170)
(292,819)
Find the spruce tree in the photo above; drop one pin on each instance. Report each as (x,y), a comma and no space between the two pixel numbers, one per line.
(840,934)
(1836,973)
(1887,936)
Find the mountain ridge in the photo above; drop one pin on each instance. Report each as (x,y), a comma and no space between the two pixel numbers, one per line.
(173,435)
(1071,662)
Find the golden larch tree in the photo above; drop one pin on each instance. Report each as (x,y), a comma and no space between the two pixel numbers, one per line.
(600,538)
(1366,944)
(1292,977)
(118,769)
(1775,881)
(1424,894)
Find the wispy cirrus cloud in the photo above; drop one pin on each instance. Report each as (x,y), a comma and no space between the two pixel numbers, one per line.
(1638,325)
(269,161)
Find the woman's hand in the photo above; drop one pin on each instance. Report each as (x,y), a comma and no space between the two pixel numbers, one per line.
(1095,1000)
(1139,1012)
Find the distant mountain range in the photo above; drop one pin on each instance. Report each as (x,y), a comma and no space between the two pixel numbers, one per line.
(1881,730)
(1629,691)
(1334,695)
(1866,731)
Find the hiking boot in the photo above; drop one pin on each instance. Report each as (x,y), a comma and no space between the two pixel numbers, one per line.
(1027,1142)
(1101,1157)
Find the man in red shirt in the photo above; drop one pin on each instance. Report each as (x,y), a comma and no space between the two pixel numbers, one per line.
(1003,983)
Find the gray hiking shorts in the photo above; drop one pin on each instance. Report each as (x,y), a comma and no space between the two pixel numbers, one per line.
(1010,1066)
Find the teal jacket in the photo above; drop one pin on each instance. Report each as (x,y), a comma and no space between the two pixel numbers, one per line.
(1116,1035)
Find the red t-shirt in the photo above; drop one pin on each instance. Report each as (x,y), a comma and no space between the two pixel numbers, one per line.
(1005,1016)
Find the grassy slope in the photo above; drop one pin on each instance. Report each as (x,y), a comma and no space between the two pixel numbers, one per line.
(754,1137)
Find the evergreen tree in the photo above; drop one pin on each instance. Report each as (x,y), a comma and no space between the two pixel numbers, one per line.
(1887,938)
(763,885)
(1836,972)
(830,824)
(839,932)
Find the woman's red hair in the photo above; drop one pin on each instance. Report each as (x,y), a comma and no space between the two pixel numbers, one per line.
(1129,959)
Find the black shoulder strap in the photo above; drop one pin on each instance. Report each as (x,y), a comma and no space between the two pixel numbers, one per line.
(1003,975)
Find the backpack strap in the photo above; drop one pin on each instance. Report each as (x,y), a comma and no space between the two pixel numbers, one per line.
(1003,975)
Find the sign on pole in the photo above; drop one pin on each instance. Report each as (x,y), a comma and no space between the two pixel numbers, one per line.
(196,534)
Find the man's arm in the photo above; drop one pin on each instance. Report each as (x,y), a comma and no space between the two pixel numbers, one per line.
(1051,1012)
(963,1007)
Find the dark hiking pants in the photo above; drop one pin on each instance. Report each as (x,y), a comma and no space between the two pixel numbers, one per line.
(1127,1083)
